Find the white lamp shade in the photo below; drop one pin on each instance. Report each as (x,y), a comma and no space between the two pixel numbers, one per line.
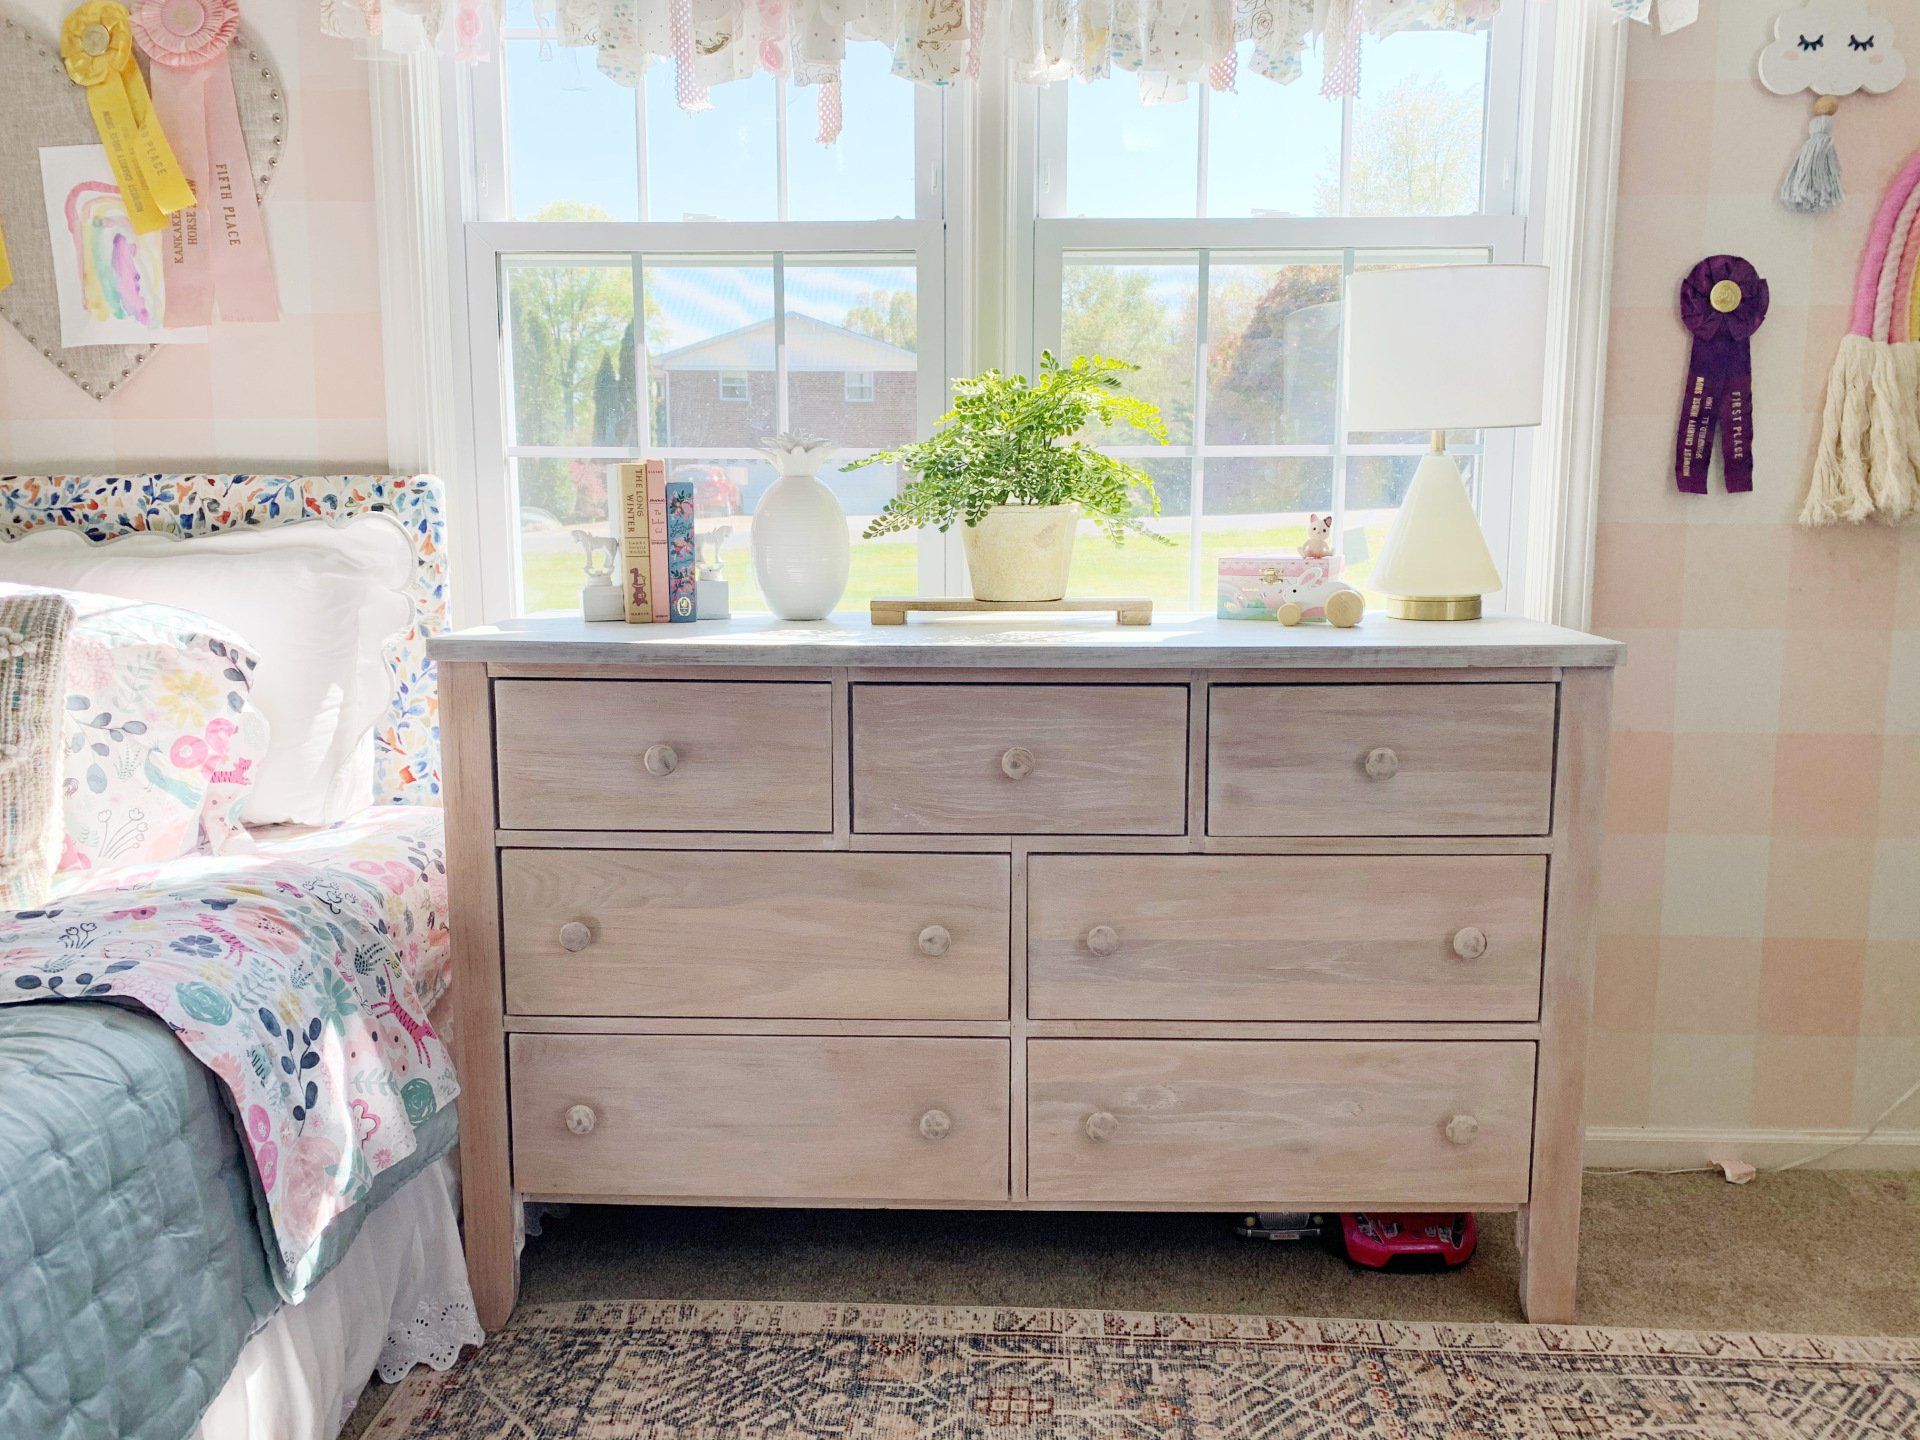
(1446,347)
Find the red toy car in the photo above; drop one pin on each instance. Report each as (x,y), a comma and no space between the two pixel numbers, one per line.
(1409,1241)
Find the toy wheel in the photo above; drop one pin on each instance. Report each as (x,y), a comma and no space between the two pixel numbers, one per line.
(1345,609)
(1288,614)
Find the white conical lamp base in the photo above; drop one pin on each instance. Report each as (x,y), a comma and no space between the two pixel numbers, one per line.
(1435,564)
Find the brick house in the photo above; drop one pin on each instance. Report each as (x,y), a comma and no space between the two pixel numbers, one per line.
(854,389)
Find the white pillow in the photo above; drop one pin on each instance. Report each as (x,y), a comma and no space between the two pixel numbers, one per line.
(317,602)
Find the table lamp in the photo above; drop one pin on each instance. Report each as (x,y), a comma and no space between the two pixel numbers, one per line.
(1442,347)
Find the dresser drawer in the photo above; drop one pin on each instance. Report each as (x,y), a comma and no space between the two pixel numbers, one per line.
(1285,937)
(1246,1124)
(1020,759)
(646,755)
(760,1117)
(757,934)
(1470,759)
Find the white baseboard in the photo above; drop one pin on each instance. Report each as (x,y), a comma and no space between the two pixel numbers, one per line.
(1653,1147)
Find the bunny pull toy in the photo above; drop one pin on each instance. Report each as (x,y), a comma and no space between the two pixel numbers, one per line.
(1831,48)
(1314,592)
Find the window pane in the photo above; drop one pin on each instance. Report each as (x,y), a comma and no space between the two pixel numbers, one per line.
(717,164)
(709,340)
(555,499)
(1145,314)
(851,329)
(1419,124)
(1125,158)
(867,174)
(570,137)
(1247,173)
(1273,353)
(570,359)
(1138,566)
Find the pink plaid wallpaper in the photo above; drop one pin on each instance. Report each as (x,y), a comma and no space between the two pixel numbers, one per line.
(1759,952)
(303,394)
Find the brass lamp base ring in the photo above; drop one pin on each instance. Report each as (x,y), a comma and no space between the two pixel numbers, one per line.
(1430,607)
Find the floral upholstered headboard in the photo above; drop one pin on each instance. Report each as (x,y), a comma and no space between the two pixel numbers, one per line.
(407,739)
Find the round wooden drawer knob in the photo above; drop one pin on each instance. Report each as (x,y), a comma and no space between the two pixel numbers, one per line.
(1103,940)
(575,936)
(1017,762)
(660,760)
(1382,763)
(581,1119)
(934,940)
(1102,1126)
(1463,1129)
(1470,942)
(936,1124)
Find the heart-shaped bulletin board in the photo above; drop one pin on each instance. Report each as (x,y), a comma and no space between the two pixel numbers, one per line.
(40,106)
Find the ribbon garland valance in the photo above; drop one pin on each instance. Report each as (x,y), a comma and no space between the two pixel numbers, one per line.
(1168,43)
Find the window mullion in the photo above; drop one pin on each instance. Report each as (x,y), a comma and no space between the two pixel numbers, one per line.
(780,147)
(1197,475)
(1340,415)
(780,408)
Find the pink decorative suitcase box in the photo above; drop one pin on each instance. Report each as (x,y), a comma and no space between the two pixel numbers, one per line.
(1247,582)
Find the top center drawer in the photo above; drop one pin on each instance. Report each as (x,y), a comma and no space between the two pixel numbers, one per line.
(664,755)
(1019,759)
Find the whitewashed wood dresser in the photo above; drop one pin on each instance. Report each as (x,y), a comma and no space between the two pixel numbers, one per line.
(1204,915)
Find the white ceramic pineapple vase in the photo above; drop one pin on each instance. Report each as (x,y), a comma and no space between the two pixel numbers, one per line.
(801,552)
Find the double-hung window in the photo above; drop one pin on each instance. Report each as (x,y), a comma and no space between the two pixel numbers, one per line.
(1207,239)
(647,282)
(644,281)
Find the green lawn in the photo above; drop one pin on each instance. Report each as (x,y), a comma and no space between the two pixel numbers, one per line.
(890,567)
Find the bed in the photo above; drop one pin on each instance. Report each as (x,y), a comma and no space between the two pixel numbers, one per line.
(167,1270)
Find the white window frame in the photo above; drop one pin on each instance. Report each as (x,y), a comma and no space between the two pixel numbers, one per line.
(478,99)
(860,387)
(1501,230)
(429,189)
(735,379)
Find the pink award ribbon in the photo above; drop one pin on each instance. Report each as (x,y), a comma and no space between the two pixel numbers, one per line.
(220,245)
(1722,302)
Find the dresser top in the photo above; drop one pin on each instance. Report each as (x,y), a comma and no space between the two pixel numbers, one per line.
(1081,641)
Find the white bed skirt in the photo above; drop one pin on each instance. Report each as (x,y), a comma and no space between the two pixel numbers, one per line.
(398,1298)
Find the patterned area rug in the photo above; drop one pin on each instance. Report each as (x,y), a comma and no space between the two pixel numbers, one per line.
(665,1370)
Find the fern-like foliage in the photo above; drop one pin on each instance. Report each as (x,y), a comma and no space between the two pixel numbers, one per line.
(1011,441)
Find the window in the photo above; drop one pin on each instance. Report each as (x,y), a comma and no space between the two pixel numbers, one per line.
(687,286)
(648,282)
(1168,235)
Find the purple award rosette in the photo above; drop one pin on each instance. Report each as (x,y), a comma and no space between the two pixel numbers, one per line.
(1722,302)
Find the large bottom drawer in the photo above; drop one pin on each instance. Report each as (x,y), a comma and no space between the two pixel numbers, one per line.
(1249,1123)
(774,1117)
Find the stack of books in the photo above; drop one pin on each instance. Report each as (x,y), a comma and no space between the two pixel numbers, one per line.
(656,544)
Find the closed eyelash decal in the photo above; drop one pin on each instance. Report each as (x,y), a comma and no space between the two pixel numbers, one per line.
(1854,42)
(1814,44)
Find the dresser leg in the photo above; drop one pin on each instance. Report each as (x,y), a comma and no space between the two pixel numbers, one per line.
(479,1040)
(1549,1237)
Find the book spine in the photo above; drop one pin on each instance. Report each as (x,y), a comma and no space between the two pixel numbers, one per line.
(657,535)
(682,600)
(636,569)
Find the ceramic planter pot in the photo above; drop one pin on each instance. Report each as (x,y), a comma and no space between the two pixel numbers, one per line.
(1022,552)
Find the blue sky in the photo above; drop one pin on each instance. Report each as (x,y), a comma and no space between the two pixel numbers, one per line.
(573,135)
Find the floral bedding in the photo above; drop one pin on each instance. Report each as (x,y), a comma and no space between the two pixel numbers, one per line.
(289,973)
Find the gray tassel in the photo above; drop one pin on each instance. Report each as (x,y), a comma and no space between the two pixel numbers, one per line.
(1813,180)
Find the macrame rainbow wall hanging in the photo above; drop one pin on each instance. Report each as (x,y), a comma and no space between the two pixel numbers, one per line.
(1868,466)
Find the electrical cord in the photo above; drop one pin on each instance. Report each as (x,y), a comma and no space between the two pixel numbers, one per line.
(1847,1144)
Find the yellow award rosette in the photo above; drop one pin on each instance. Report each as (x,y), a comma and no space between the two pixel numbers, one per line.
(6,267)
(96,42)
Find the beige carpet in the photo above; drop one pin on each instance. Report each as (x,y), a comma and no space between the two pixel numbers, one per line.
(1831,1252)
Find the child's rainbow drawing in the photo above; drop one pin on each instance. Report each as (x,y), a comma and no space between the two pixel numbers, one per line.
(119,277)
(108,279)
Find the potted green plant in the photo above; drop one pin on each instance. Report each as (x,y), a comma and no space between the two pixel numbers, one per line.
(1008,462)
